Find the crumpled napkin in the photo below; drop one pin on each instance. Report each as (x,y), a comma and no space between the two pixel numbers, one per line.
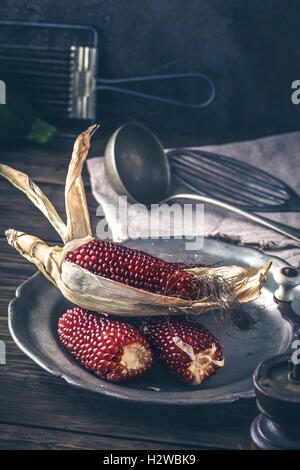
(278,155)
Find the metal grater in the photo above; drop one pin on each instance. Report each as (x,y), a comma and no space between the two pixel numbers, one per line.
(60,76)
(83,83)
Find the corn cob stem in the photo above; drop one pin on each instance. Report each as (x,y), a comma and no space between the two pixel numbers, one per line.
(47,259)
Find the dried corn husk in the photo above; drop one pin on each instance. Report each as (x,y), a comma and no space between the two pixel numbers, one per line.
(101,294)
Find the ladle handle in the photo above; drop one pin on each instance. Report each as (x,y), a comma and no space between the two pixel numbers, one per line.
(290,232)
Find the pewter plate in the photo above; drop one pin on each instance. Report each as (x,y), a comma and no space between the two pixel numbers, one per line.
(34,313)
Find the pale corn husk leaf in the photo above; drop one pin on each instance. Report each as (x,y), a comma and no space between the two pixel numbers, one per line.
(107,296)
(78,219)
(185,347)
(246,283)
(25,184)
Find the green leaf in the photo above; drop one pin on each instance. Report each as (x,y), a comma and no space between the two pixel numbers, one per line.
(41,131)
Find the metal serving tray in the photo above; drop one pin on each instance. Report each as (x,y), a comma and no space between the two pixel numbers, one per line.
(34,313)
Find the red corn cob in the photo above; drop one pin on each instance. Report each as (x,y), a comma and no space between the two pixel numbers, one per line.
(112,349)
(182,265)
(137,269)
(190,352)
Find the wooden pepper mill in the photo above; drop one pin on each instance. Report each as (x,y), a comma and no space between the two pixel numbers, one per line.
(277,382)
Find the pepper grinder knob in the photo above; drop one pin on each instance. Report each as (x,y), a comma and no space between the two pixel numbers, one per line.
(287,279)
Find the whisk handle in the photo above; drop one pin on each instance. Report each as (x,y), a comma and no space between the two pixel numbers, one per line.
(286,230)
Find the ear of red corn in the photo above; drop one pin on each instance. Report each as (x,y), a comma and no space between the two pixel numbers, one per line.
(189,352)
(112,349)
(88,276)
(137,269)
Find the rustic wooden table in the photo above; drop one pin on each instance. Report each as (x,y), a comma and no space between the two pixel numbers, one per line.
(40,411)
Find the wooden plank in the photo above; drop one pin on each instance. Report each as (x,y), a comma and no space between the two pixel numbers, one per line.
(37,399)
(37,159)
(13,265)
(43,171)
(32,397)
(18,212)
(12,199)
(16,437)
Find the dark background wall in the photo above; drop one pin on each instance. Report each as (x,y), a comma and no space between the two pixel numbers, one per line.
(249,48)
